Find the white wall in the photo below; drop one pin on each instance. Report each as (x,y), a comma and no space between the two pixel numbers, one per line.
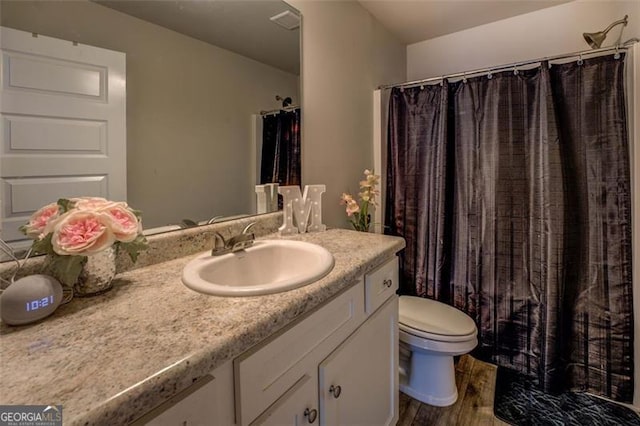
(547,32)
(346,55)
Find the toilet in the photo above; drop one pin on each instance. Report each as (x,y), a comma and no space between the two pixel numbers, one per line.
(431,334)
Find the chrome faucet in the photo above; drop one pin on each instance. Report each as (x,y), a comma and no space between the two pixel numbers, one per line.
(235,243)
(219,250)
(242,240)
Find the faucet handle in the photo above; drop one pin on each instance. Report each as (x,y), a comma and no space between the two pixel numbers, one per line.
(246,228)
(218,250)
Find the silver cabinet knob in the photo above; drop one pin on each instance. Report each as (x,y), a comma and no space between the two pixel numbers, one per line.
(387,283)
(311,415)
(335,391)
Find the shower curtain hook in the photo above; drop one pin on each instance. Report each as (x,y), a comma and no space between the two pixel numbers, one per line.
(617,54)
(442,81)
(580,61)
(464,77)
(401,89)
(490,75)
(515,70)
(422,87)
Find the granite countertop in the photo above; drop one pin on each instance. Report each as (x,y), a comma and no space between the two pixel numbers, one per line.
(111,358)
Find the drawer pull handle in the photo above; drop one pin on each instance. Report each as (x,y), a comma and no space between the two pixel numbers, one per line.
(311,415)
(387,283)
(335,391)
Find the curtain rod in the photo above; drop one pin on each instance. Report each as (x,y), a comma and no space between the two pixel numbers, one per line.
(275,111)
(514,65)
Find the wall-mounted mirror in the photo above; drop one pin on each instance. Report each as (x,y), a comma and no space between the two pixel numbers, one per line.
(198,78)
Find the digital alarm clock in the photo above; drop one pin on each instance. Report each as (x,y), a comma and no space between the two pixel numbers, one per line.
(30,299)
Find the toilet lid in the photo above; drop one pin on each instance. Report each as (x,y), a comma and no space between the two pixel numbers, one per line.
(434,317)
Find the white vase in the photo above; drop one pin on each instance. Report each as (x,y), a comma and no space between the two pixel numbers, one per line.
(97,274)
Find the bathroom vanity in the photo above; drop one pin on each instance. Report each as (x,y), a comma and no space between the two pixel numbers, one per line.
(152,351)
(336,366)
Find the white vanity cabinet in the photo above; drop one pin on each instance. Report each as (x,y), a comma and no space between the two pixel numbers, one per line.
(336,366)
(349,372)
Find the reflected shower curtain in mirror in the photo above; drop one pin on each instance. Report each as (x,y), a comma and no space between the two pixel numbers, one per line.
(533,235)
(280,159)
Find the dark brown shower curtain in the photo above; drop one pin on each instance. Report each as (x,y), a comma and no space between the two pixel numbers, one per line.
(536,236)
(416,177)
(280,158)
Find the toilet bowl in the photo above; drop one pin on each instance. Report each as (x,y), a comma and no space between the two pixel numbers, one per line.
(431,334)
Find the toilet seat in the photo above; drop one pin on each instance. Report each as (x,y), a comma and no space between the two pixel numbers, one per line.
(429,319)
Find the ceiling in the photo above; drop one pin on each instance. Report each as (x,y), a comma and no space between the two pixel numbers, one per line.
(243,26)
(417,20)
(239,26)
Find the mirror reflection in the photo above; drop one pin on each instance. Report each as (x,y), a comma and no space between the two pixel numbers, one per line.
(180,108)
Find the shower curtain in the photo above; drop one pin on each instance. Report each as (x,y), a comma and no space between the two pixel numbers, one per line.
(513,194)
(280,158)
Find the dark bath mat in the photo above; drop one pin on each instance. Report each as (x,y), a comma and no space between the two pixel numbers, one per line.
(519,402)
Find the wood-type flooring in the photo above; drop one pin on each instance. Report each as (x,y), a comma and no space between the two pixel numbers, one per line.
(476,382)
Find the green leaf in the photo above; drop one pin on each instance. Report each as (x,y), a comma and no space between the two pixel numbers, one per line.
(137,213)
(67,268)
(23,229)
(65,205)
(44,246)
(135,247)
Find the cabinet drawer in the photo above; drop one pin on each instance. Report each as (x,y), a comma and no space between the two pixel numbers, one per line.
(380,285)
(264,374)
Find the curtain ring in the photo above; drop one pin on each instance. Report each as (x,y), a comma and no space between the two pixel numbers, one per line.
(515,70)
(617,54)
(490,75)
(442,81)
(580,61)
(422,87)
(464,78)
(401,89)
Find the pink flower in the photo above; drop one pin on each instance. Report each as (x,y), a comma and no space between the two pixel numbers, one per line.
(81,232)
(90,203)
(124,224)
(38,221)
(352,205)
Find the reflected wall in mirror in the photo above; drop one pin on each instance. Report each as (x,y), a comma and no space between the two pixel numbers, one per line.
(199,76)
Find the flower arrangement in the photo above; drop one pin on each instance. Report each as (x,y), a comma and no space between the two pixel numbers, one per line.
(72,229)
(360,217)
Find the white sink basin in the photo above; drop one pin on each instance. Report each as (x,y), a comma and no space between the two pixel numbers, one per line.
(269,266)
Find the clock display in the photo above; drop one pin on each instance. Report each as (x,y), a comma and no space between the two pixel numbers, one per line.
(34,305)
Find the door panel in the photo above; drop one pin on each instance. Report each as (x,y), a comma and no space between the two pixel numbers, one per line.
(62,123)
(44,134)
(34,72)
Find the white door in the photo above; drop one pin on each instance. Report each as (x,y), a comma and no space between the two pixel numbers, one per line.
(358,381)
(62,124)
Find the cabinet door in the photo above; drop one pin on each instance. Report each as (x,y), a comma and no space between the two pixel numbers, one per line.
(358,382)
(191,407)
(297,407)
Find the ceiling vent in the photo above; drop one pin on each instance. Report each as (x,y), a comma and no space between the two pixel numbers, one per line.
(287,19)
